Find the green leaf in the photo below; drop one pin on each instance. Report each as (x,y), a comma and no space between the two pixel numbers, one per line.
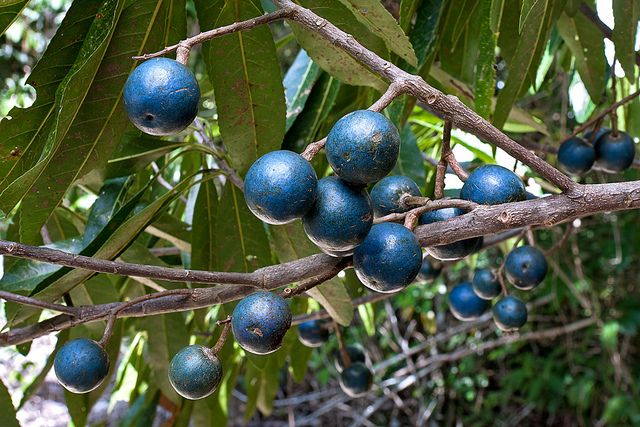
(291,243)
(407,11)
(626,14)
(247,82)
(333,59)
(497,6)
(9,11)
(136,151)
(485,67)
(424,35)
(410,162)
(379,21)
(586,43)
(7,411)
(298,83)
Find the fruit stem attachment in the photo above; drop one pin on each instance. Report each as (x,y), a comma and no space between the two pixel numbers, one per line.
(614,95)
(441,169)
(344,355)
(182,53)
(226,326)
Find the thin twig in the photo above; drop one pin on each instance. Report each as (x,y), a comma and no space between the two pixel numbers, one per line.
(344,355)
(203,137)
(441,169)
(429,205)
(32,302)
(226,327)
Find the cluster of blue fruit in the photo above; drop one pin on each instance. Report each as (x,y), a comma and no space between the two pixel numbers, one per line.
(612,151)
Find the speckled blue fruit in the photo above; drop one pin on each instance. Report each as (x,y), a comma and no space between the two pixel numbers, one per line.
(388,192)
(493,185)
(81,365)
(313,333)
(510,313)
(260,321)
(486,284)
(161,96)
(356,354)
(356,380)
(526,267)
(280,187)
(464,303)
(363,147)
(455,250)
(615,153)
(588,135)
(429,270)
(388,259)
(576,156)
(341,217)
(195,372)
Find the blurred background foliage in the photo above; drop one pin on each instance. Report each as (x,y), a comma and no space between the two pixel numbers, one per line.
(75,175)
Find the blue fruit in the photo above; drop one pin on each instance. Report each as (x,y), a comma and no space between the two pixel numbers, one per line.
(195,372)
(576,156)
(386,195)
(526,267)
(313,333)
(260,321)
(341,217)
(464,303)
(486,284)
(161,96)
(389,259)
(615,153)
(588,135)
(429,269)
(455,250)
(493,185)
(363,147)
(510,313)
(81,365)
(280,187)
(356,354)
(356,380)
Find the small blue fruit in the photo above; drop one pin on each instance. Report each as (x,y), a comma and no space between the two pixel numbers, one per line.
(615,153)
(363,147)
(161,96)
(486,284)
(430,269)
(464,303)
(81,365)
(341,217)
(356,354)
(510,313)
(576,156)
(313,333)
(280,187)
(455,250)
(526,267)
(195,372)
(260,321)
(493,185)
(356,380)
(387,194)
(388,259)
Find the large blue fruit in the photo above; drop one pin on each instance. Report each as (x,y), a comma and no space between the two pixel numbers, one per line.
(81,365)
(486,284)
(493,185)
(526,267)
(341,217)
(356,380)
(455,250)
(313,333)
(195,372)
(363,147)
(576,156)
(464,303)
(280,187)
(430,269)
(260,321)
(387,194)
(510,313)
(615,153)
(389,259)
(354,351)
(161,96)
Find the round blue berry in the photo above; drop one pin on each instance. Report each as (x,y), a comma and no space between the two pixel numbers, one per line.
(526,267)
(195,372)
(493,185)
(615,153)
(388,259)
(510,313)
(341,217)
(356,380)
(81,365)
(161,96)
(363,147)
(455,250)
(313,333)
(576,156)
(280,187)
(464,303)
(486,284)
(387,194)
(260,322)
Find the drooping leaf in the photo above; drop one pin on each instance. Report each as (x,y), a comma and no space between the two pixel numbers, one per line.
(485,67)
(9,11)
(425,31)
(7,410)
(135,151)
(626,14)
(247,82)
(298,83)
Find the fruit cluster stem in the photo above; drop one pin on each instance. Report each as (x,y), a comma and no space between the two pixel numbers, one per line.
(226,327)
